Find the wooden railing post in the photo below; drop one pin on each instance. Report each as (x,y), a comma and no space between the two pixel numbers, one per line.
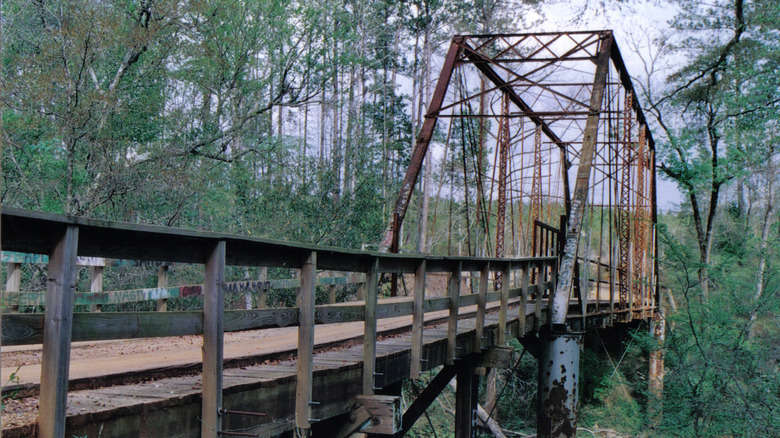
(521,317)
(213,336)
(453,291)
(332,289)
(305,361)
(96,285)
(162,281)
(13,282)
(262,277)
(539,293)
(481,305)
(369,333)
(55,363)
(415,367)
(504,300)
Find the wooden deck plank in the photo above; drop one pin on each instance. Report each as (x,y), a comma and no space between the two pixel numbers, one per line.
(336,366)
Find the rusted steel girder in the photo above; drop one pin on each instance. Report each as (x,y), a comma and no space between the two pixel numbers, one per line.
(503,156)
(580,197)
(536,190)
(559,363)
(640,222)
(624,209)
(483,64)
(421,147)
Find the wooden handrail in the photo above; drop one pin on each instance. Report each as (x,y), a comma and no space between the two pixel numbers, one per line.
(37,233)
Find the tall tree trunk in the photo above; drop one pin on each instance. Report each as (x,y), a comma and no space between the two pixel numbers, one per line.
(766,226)
(336,128)
(323,113)
(70,196)
(349,142)
(425,95)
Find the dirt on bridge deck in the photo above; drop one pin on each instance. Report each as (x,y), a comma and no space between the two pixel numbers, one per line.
(150,364)
(92,363)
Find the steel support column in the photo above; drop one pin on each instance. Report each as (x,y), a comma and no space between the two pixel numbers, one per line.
(559,366)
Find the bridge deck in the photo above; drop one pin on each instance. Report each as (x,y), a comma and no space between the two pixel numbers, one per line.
(171,406)
(163,357)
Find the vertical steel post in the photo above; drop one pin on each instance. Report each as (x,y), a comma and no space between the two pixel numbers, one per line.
(564,284)
(559,361)
(503,147)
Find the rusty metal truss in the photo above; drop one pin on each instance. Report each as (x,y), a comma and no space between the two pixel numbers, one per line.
(544,126)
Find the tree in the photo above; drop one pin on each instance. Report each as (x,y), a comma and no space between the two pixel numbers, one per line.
(708,97)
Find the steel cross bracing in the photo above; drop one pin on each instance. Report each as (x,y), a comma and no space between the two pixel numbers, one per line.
(570,141)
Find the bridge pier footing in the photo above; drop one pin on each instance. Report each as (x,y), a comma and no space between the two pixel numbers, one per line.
(559,364)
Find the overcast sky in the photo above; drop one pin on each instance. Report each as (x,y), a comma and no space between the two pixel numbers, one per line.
(636,23)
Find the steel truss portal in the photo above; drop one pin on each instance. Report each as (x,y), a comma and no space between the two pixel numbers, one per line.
(540,128)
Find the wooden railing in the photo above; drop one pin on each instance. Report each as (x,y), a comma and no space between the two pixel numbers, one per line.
(63,239)
(14,297)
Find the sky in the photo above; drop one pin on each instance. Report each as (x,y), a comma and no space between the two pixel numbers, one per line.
(636,24)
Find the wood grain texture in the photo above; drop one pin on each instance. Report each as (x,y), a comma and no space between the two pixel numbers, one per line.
(523,302)
(96,285)
(27,328)
(415,364)
(55,362)
(481,305)
(385,413)
(13,282)
(305,360)
(369,333)
(162,282)
(213,342)
(37,232)
(538,293)
(453,292)
(504,299)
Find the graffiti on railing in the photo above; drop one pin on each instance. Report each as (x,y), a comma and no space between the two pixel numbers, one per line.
(26,258)
(158,293)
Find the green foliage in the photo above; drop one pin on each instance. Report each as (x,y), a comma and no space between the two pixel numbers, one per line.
(14,379)
(720,382)
(613,379)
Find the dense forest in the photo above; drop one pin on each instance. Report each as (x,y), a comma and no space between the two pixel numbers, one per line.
(296,120)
